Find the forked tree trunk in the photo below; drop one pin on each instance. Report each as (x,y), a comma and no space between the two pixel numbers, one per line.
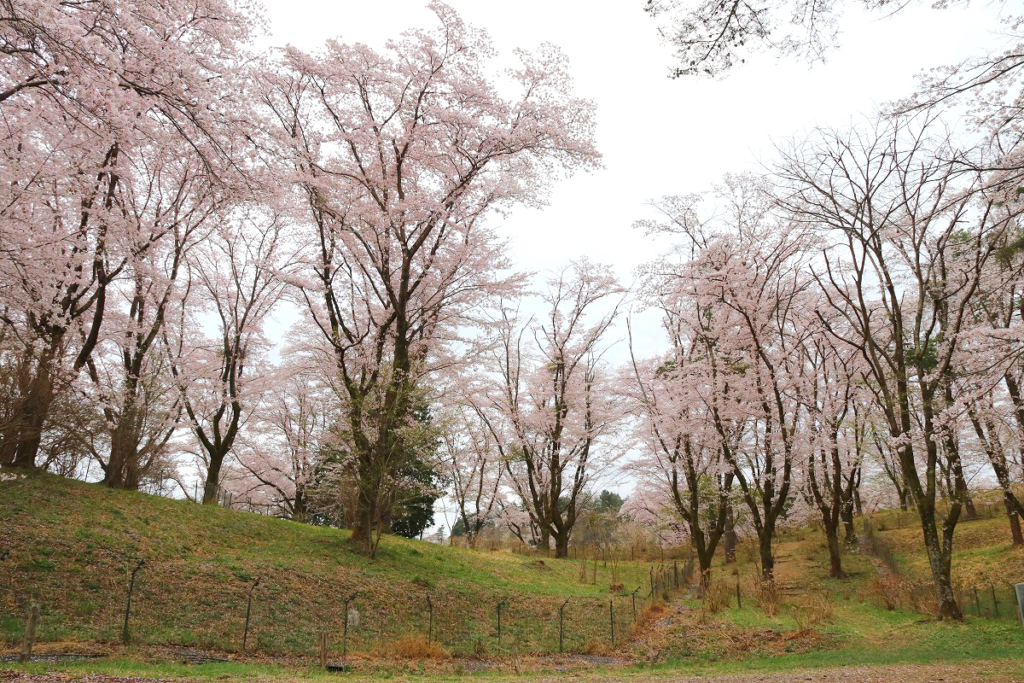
(562,545)
(211,488)
(122,468)
(20,445)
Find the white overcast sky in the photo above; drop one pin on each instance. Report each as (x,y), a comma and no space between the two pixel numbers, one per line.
(661,136)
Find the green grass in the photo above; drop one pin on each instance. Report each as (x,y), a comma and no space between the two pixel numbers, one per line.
(72,545)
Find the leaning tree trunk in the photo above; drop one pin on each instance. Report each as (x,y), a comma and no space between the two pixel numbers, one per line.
(1011,513)
(20,445)
(835,555)
(211,488)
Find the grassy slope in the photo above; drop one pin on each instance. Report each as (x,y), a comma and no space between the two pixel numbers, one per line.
(825,622)
(72,543)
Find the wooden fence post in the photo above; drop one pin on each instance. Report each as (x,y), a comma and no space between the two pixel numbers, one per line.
(322,646)
(30,633)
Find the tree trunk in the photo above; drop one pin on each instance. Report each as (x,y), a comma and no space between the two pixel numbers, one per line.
(849,528)
(362,529)
(730,535)
(212,486)
(961,486)
(704,560)
(1011,513)
(562,545)
(299,506)
(122,469)
(767,558)
(835,556)
(20,445)
(939,561)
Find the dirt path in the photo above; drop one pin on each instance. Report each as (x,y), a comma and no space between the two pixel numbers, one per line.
(990,672)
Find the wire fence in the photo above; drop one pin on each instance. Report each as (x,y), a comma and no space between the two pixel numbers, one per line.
(294,614)
(984,600)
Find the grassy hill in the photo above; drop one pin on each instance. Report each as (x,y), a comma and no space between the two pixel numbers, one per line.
(72,545)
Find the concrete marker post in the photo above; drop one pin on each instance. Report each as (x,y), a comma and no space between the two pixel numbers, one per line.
(1019,590)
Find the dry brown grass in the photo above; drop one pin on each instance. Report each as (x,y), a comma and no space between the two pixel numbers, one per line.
(813,609)
(647,617)
(597,648)
(894,591)
(767,595)
(717,596)
(415,647)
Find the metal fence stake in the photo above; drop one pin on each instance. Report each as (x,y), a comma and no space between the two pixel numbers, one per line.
(430,620)
(500,605)
(611,619)
(248,612)
(561,626)
(128,605)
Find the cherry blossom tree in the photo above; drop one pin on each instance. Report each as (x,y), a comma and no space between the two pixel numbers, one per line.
(89,92)
(170,212)
(739,280)
(837,423)
(397,158)
(471,464)
(911,224)
(223,374)
(682,453)
(551,406)
(282,451)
